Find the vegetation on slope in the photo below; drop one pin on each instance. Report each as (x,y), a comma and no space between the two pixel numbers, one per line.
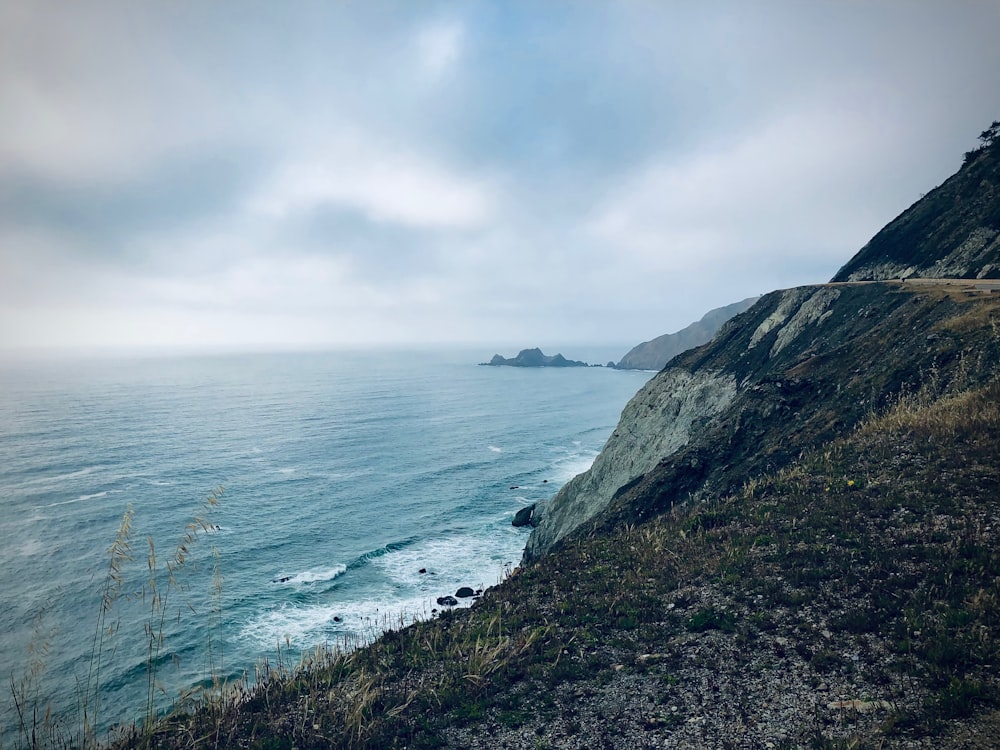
(851,599)
(951,231)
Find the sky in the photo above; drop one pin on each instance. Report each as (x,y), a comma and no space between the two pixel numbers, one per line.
(261,175)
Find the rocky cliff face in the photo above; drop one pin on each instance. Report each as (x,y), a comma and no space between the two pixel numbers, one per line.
(794,371)
(655,354)
(656,423)
(800,367)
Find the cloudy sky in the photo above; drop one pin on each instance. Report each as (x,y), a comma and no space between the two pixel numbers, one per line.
(249,175)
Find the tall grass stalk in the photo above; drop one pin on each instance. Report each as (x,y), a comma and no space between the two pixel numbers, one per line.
(159,597)
(108,622)
(26,691)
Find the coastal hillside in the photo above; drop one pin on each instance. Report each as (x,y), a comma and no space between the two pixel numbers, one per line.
(798,368)
(654,354)
(791,540)
(952,231)
(850,599)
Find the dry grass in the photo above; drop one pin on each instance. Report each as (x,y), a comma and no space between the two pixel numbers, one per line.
(38,724)
(887,539)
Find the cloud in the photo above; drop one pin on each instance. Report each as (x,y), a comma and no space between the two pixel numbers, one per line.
(399,172)
(759,192)
(385,184)
(439,46)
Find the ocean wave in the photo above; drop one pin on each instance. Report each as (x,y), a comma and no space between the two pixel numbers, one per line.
(315,575)
(81,499)
(354,622)
(576,462)
(374,554)
(478,560)
(61,478)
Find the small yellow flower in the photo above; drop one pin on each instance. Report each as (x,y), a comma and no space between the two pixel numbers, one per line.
(850,482)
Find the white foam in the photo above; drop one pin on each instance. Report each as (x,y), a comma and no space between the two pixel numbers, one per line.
(496,449)
(572,464)
(30,548)
(476,560)
(290,626)
(60,478)
(303,626)
(341,476)
(316,575)
(82,498)
(461,560)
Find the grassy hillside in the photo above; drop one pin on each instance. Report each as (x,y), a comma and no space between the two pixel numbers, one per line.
(849,600)
(954,230)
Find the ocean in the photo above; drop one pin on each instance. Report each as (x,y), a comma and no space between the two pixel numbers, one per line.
(358,487)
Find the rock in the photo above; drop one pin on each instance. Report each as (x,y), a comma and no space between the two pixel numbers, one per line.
(534,358)
(447,601)
(465,592)
(657,422)
(523,516)
(861,707)
(422,571)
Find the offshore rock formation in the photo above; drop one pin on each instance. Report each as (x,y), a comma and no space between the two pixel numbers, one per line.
(533,358)
(655,354)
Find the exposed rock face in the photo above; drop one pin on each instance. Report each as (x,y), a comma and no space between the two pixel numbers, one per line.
(524,516)
(655,423)
(952,232)
(655,354)
(791,373)
(534,358)
(797,368)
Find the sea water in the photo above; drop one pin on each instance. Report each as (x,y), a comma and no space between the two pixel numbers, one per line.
(358,488)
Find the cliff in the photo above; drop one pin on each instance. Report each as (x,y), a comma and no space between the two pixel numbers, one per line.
(952,231)
(654,354)
(798,368)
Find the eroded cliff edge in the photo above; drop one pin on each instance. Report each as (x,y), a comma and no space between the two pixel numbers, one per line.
(795,370)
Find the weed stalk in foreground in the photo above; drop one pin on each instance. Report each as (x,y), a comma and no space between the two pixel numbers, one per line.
(107,625)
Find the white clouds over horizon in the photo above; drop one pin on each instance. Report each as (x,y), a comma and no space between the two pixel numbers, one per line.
(322,174)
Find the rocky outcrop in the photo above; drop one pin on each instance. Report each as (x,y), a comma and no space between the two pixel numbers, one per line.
(655,423)
(534,358)
(655,354)
(524,516)
(795,370)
